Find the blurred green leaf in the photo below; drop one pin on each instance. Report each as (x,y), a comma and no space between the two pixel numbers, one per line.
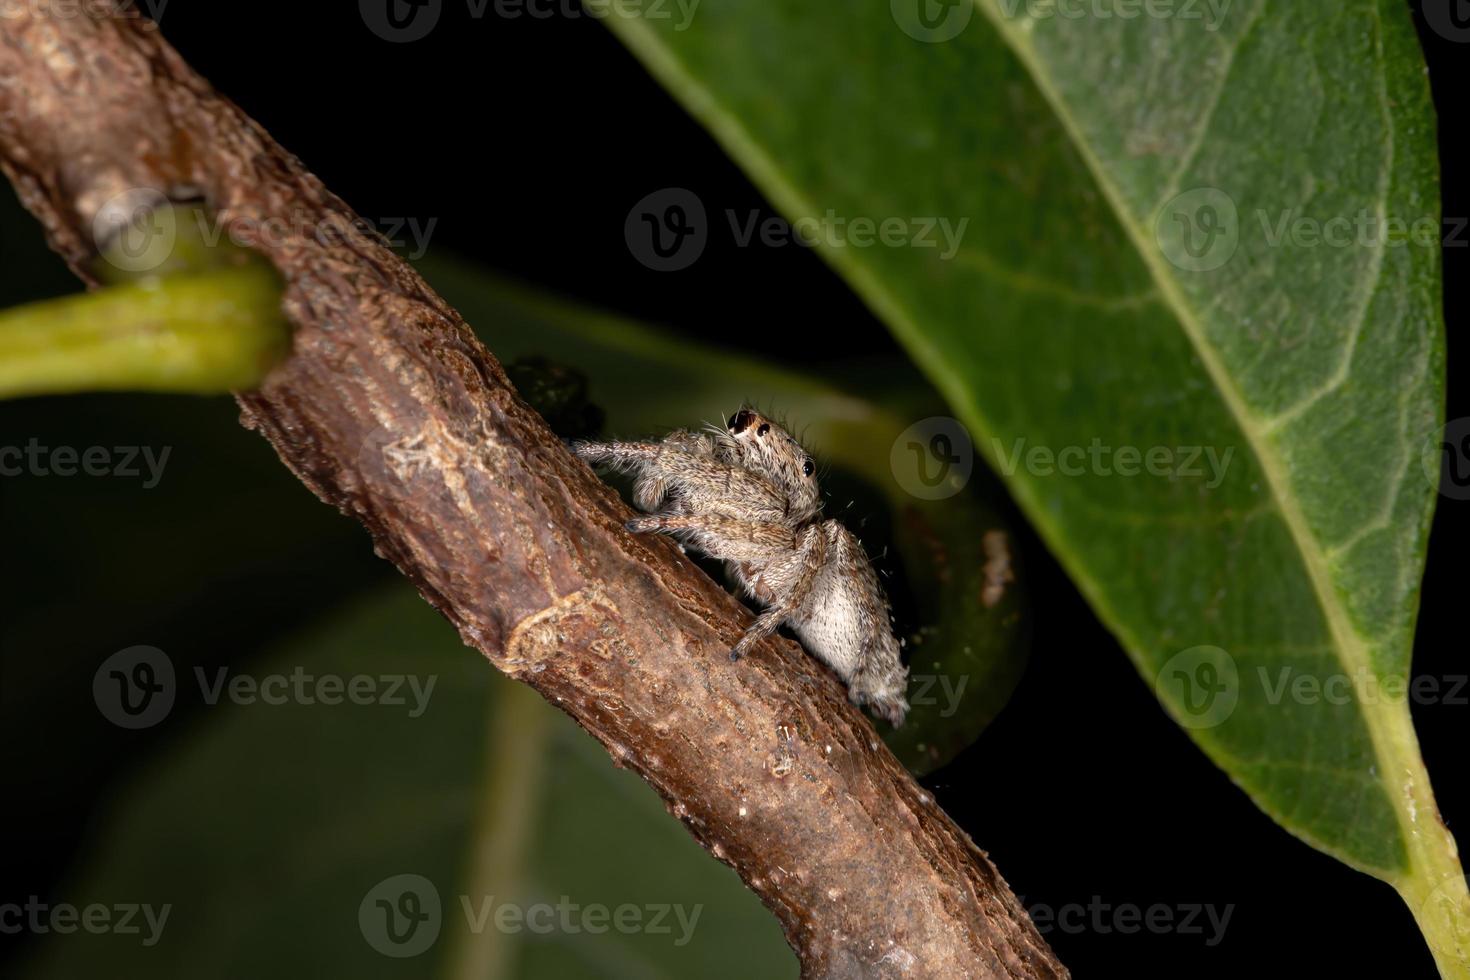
(262,821)
(966,642)
(1130,276)
(192,528)
(273,832)
(964,626)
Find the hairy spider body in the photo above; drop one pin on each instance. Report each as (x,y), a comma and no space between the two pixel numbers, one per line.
(748,495)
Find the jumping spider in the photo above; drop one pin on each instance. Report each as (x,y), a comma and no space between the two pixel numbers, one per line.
(748,495)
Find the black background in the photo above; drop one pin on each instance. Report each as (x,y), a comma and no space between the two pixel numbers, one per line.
(529,141)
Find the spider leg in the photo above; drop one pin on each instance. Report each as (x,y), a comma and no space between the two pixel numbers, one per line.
(650,491)
(622,455)
(720,537)
(683,465)
(803,569)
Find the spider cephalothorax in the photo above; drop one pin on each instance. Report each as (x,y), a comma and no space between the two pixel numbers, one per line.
(748,494)
(764,447)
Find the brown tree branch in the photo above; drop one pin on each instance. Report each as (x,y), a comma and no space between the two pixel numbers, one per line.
(391,410)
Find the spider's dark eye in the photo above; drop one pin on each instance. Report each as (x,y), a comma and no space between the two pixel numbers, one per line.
(808,468)
(763,429)
(741,420)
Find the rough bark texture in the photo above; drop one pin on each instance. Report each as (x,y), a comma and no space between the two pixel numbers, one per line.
(391,410)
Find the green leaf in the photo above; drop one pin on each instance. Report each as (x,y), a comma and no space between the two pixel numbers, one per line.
(1134,273)
(966,635)
(270,834)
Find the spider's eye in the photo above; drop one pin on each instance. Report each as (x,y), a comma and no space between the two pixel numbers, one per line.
(741,420)
(765,427)
(808,468)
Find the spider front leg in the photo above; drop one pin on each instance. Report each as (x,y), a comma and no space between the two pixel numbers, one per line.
(681,465)
(720,537)
(798,574)
(621,455)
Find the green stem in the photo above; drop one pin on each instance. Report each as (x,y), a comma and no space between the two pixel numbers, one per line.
(1435,887)
(204,333)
